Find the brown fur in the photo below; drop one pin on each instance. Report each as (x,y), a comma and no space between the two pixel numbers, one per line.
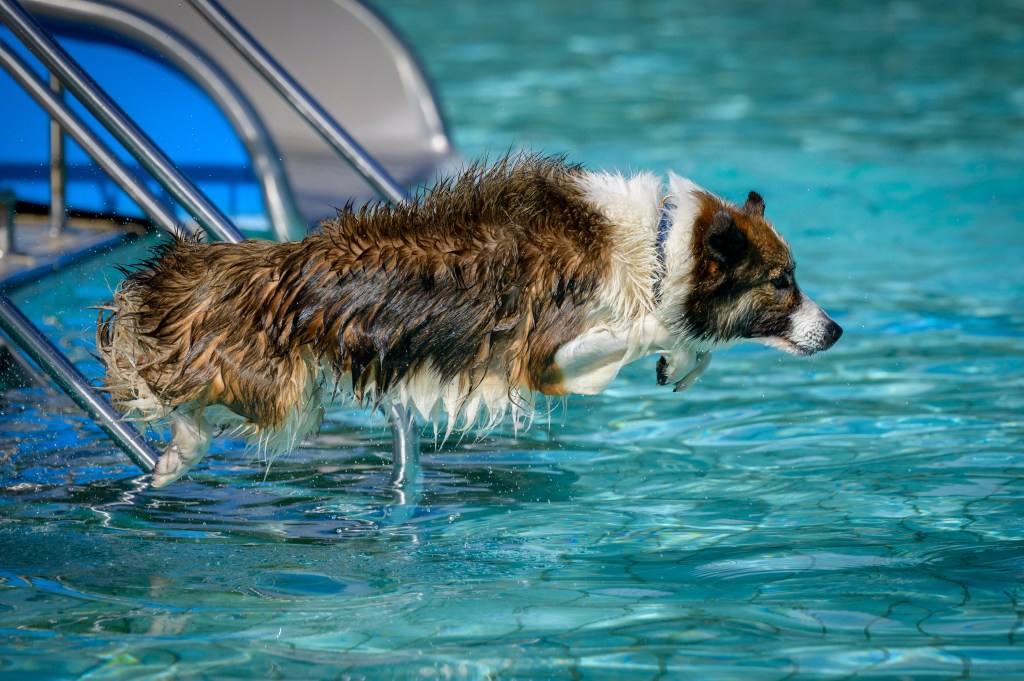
(728,288)
(489,273)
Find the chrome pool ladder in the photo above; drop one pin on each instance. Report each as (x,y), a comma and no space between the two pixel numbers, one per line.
(282,207)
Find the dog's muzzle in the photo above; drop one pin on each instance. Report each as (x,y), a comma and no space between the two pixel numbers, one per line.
(810,330)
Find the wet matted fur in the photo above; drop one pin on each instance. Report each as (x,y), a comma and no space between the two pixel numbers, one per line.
(526,276)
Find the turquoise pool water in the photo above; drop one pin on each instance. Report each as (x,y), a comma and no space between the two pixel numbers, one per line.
(855,515)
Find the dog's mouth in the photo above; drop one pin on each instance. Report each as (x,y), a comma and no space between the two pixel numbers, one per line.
(786,345)
(822,340)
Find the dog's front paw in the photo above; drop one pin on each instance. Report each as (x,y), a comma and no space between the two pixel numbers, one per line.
(681,368)
(662,371)
(702,360)
(172,465)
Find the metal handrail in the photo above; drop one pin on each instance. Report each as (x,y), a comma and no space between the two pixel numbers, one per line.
(154,208)
(405,438)
(114,119)
(151,35)
(300,100)
(32,341)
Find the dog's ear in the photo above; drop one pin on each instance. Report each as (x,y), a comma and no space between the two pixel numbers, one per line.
(724,239)
(754,205)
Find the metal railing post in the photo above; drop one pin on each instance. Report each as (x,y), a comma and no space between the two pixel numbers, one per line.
(7,203)
(405,446)
(37,346)
(114,119)
(58,210)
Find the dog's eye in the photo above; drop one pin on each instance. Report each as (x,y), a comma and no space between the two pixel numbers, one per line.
(782,282)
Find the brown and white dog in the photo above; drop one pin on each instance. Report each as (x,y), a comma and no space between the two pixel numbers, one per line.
(522,277)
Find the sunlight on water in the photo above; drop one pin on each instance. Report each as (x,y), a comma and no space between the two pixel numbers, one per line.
(853,514)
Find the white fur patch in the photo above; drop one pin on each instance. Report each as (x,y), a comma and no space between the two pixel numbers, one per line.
(685,195)
(484,404)
(624,329)
(189,442)
(633,207)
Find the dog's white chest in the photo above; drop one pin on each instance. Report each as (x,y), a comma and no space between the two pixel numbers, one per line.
(590,362)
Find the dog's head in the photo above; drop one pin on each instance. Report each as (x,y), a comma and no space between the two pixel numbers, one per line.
(729,276)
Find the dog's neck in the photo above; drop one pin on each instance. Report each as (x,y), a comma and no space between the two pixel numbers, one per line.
(664,228)
(682,207)
(651,272)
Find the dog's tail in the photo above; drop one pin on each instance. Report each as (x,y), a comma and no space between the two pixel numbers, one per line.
(122,351)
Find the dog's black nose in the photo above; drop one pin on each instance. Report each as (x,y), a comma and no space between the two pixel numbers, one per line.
(832,333)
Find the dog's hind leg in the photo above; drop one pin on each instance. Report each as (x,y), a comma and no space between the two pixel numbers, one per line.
(189,442)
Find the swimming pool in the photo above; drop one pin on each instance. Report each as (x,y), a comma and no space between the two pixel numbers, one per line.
(854,514)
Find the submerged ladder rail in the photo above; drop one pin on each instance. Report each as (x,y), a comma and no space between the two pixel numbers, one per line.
(405,443)
(44,353)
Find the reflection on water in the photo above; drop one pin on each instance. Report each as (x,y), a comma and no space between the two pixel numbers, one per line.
(856,513)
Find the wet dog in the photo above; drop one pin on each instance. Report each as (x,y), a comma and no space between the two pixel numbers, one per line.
(528,276)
